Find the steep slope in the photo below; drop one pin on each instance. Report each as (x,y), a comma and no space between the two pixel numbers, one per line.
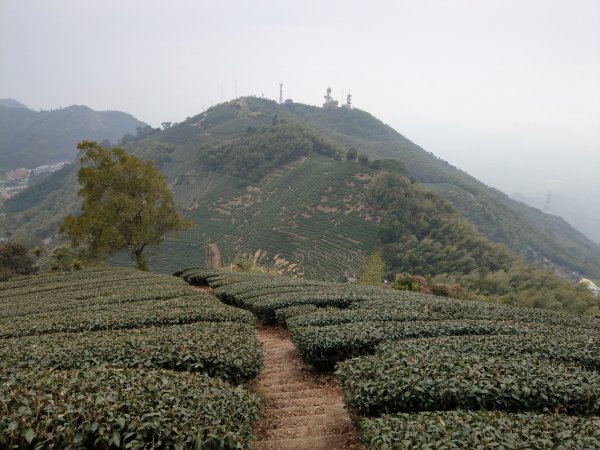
(29,138)
(539,237)
(311,212)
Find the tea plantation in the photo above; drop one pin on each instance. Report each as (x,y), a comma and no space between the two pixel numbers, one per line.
(311,211)
(425,372)
(118,358)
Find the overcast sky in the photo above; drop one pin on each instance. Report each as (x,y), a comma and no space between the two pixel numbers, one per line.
(508,90)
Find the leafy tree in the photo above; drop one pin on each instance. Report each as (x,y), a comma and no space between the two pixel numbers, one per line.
(126,204)
(373,270)
(363,159)
(65,259)
(14,260)
(352,154)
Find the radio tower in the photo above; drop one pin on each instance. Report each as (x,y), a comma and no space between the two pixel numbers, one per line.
(348,103)
(281,93)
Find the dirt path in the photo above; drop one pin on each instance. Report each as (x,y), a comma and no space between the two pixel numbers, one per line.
(300,409)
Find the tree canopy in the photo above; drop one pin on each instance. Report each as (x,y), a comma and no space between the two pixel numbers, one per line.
(258,152)
(126,204)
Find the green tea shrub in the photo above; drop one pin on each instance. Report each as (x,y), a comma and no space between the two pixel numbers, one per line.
(458,430)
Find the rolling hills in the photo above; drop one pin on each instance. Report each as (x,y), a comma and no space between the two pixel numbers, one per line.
(232,172)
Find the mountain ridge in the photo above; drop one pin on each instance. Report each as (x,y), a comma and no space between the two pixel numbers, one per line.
(31,138)
(12,103)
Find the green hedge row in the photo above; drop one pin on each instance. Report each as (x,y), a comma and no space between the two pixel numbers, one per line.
(77,281)
(561,344)
(327,345)
(196,307)
(54,277)
(264,294)
(227,350)
(459,430)
(421,379)
(116,408)
(284,314)
(95,298)
(482,310)
(265,308)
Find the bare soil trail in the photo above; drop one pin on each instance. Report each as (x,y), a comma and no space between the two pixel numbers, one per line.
(301,409)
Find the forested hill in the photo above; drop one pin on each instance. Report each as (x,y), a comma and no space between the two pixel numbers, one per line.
(255,174)
(528,231)
(541,238)
(30,138)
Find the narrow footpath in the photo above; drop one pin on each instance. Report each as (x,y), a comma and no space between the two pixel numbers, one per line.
(301,409)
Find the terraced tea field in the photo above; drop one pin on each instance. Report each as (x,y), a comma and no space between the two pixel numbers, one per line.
(419,371)
(118,358)
(309,212)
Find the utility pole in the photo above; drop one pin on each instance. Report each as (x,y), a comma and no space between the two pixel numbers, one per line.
(281,93)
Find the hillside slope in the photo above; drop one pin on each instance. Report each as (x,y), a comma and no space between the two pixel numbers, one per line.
(29,138)
(528,231)
(312,209)
(539,237)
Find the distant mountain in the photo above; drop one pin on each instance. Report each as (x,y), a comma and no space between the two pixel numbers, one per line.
(30,138)
(583,215)
(251,183)
(10,103)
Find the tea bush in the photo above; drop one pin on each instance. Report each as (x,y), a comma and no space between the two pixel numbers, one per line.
(123,408)
(104,358)
(194,307)
(419,379)
(325,346)
(227,350)
(458,430)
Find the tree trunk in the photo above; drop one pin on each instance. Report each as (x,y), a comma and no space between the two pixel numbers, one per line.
(140,260)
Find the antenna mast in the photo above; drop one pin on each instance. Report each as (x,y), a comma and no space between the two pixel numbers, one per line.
(329,101)
(281,93)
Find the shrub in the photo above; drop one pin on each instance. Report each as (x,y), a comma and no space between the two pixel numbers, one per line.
(327,345)
(14,260)
(110,408)
(455,430)
(416,379)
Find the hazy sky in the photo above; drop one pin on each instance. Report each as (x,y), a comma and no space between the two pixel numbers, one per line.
(508,90)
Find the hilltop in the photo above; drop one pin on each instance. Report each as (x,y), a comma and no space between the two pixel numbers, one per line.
(30,138)
(11,103)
